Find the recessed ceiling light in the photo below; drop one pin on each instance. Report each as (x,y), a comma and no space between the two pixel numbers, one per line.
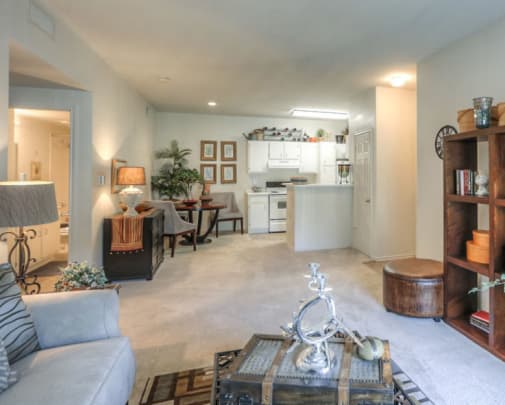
(324,114)
(211,103)
(398,80)
(164,79)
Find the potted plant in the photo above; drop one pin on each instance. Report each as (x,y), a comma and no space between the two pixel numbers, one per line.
(486,285)
(82,276)
(174,178)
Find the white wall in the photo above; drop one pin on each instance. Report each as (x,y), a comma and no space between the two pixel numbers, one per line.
(390,114)
(190,129)
(395,188)
(121,124)
(447,81)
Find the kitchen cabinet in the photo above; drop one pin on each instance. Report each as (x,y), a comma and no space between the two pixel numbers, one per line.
(327,153)
(257,156)
(257,212)
(327,174)
(309,157)
(284,150)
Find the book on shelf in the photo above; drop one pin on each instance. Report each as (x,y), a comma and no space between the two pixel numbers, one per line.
(480,319)
(465,182)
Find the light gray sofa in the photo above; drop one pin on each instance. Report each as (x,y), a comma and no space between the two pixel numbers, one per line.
(83,359)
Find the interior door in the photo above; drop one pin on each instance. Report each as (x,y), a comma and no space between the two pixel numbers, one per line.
(362,192)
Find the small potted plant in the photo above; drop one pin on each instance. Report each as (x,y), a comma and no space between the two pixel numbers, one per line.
(82,276)
(486,285)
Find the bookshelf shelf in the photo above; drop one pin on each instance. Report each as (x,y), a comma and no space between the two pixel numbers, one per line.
(469,199)
(467,265)
(460,219)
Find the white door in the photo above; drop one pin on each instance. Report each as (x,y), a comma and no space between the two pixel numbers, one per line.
(276,150)
(257,156)
(362,192)
(291,150)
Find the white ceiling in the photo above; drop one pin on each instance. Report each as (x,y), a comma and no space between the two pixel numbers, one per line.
(264,57)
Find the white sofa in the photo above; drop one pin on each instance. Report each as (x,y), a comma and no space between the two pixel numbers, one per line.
(83,360)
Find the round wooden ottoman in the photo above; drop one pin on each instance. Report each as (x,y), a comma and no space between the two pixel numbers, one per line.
(414,287)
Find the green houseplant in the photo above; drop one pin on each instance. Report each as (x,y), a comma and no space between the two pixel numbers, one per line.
(174,178)
(78,276)
(486,285)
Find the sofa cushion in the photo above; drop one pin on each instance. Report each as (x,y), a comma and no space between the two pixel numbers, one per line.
(16,325)
(100,372)
(7,376)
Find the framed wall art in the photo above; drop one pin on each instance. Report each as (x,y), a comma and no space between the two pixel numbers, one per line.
(228,174)
(208,150)
(208,172)
(115,164)
(228,151)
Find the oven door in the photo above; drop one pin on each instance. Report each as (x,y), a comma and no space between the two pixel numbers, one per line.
(278,206)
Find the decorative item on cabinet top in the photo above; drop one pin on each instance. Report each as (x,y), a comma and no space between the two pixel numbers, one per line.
(277,134)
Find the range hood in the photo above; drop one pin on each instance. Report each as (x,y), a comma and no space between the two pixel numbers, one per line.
(284,164)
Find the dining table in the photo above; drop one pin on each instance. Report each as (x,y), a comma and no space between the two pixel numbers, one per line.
(200,208)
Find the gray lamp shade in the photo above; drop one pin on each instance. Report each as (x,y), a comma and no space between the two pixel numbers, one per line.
(24,203)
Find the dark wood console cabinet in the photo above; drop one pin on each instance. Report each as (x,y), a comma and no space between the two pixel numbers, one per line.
(135,265)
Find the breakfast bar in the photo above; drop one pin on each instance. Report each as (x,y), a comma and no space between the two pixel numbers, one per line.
(319,216)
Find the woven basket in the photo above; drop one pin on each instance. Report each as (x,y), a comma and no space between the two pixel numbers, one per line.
(466,121)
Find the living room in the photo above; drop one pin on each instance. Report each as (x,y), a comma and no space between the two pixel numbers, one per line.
(131,88)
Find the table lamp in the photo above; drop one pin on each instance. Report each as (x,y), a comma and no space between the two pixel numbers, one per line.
(25,203)
(131,176)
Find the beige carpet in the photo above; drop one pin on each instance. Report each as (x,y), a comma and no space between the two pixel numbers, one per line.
(216,298)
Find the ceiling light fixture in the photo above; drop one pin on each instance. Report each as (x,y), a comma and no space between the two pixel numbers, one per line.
(211,103)
(323,114)
(398,80)
(164,79)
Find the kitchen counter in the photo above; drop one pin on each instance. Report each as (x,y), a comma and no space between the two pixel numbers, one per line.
(319,216)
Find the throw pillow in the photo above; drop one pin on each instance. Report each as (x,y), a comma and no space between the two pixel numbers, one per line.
(17,329)
(7,376)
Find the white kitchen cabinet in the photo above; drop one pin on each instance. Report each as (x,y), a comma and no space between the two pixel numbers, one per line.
(284,150)
(327,153)
(257,156)
(257,212)
(309,157)
(327,174)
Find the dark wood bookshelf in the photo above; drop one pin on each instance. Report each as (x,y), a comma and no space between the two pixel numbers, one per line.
(460,219)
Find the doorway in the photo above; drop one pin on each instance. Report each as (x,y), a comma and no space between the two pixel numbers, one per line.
(39,149)
(362,191)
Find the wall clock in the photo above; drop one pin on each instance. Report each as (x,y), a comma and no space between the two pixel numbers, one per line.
(439,139)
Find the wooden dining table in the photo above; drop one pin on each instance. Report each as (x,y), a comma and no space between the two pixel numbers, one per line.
(200,208)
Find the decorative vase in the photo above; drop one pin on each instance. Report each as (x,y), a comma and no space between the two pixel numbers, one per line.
(482,111)
(482,181)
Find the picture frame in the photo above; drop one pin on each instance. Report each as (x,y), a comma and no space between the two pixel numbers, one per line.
(228,151)
(208,150)
(208,172)
(35,170)
(229,174)
(115,165)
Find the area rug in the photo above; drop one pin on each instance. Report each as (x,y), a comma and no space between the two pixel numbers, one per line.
(194,387)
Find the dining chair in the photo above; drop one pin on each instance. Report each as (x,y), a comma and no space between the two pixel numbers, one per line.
(174,225)
(230,213)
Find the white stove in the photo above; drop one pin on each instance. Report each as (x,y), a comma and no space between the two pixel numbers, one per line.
(278,201)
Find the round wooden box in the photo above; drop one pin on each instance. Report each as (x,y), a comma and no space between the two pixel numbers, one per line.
(414,287)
